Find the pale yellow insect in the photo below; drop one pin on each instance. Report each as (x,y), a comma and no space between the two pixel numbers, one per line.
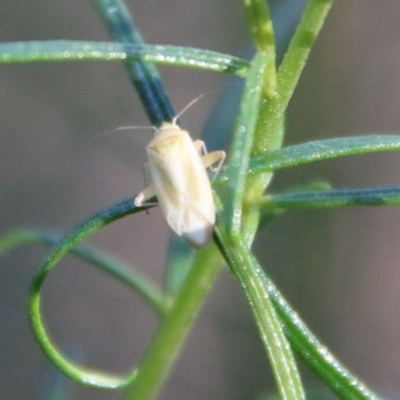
(177,167)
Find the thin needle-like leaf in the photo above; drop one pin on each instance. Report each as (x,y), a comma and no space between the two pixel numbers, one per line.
(68,50)
(255,285)
(144,77)
(243,141)
(333,198)
(319,150)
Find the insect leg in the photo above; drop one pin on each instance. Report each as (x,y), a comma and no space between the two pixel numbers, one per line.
(200,146)
(147,194)
(210,159)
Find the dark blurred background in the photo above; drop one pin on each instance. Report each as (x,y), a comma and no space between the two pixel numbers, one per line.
(339,268)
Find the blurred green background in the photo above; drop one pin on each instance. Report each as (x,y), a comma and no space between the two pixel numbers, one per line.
(339,268)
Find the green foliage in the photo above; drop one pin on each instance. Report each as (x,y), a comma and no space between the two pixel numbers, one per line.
(255,153)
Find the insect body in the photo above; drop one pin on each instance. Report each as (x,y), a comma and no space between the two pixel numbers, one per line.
(177,167)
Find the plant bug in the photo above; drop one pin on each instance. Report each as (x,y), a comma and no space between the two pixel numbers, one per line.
(177,166)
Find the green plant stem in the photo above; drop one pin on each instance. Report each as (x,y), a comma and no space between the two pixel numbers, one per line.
(260,24)
(272,112)
(270,126)
(169,339)
(259,20)
(242,142)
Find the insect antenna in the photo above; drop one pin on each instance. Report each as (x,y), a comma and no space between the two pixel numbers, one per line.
(123,128)
(195,100)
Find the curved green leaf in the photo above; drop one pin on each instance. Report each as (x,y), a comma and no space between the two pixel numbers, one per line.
(84,376)
(95,257)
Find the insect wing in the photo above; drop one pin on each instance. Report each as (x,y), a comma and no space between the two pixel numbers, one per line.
(182,186)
